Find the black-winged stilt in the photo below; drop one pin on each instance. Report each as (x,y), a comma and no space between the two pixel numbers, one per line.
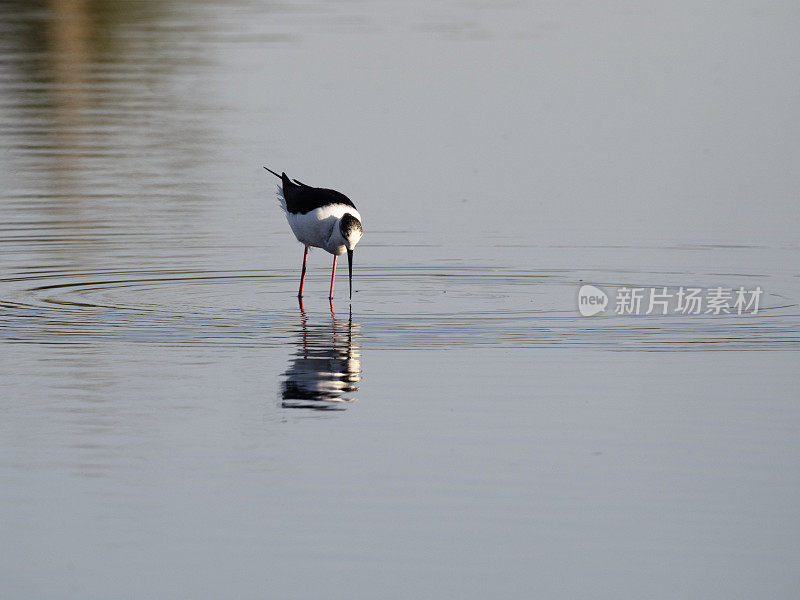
(321,218)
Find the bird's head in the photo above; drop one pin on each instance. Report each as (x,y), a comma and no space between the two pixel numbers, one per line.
(351,231)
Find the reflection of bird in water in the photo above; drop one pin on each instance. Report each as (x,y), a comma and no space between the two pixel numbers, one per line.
(326,367)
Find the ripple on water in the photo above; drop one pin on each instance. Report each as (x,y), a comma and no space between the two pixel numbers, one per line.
(394,308)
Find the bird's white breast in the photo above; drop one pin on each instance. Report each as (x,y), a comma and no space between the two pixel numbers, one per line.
(314,228)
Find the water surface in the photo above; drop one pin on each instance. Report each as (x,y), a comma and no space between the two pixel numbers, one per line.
(175,424)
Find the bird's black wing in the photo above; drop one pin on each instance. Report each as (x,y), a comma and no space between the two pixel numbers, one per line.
(301,198)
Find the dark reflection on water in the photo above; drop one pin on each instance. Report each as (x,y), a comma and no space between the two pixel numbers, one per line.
(326,367)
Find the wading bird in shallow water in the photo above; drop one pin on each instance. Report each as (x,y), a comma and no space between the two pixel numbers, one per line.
(321,218)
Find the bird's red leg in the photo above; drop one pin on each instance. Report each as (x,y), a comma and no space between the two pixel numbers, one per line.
(303,275)
(333,276)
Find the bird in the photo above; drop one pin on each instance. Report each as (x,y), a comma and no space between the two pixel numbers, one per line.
(321,218)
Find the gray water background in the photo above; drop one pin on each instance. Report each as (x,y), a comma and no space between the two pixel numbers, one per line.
(173,425)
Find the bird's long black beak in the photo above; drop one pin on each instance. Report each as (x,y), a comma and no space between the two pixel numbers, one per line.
(350,270)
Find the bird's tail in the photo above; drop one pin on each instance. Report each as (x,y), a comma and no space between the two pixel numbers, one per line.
(273,172)
(281,197)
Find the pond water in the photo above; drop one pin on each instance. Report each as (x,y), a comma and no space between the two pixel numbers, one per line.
(175,423)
